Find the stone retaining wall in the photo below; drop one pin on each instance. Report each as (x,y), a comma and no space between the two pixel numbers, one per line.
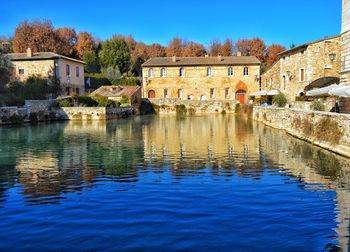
(170,106)
(327,130)
(94,113)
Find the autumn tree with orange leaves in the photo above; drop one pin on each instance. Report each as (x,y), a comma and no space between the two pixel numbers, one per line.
(273,52)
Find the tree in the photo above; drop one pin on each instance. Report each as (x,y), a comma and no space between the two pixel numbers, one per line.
(5,71)
(115,53)
(272,53)
(92,62)
(258,49)
(193,50)
(138,57)
(156,50)
(227,48)
(215,48)
(37,35)
(252,47)
(84,43)
(112,74)
(68,39)
(175,48)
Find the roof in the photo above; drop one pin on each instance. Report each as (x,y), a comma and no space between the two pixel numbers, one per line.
(201,61)
(40,56)
(304,46)
(116,91)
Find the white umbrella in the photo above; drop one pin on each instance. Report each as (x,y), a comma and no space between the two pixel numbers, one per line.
(341,91)
(259,93)
(272,92)
(325,91)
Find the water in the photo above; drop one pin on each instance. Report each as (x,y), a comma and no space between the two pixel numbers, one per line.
(168,183)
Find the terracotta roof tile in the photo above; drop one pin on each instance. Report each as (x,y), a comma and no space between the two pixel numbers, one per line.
(116,91)
(40,56)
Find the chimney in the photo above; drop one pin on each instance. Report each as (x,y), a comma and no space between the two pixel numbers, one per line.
(174,58)
(29,52)
(219,58)
(239,54)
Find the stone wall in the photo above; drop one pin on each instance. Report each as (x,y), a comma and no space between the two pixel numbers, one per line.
(170,106)
(94,113)
(334,135)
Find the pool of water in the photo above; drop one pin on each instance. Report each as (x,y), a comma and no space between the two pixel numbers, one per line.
(168,183)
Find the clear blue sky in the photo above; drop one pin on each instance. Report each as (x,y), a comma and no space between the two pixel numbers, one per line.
(277,21)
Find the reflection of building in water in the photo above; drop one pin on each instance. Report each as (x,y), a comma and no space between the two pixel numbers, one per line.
(216,142)
(312,165)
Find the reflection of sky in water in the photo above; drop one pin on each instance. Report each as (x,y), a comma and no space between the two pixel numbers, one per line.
(156,183)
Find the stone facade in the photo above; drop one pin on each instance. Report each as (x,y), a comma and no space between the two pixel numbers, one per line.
(69,71)
(192,82)
(302,65)
(345,52)
(303,124)
(94,113)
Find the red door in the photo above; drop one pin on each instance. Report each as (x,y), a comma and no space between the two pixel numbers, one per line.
(240,96)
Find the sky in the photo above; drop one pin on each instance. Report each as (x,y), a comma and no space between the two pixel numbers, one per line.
(157,21)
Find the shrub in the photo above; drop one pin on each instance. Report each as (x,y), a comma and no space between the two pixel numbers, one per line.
(100,100)
(65,102)
(16,119)
(261,100)
(280,100)
(85,101)
(97,80)
(318,106)
(181,109)
(124,100)
(328,130)
(33,117)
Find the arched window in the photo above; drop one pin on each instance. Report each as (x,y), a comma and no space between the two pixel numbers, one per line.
(246,71)
(151,72)
(209,71)
(230,71)
(162,72)
(151,94)
(182,72)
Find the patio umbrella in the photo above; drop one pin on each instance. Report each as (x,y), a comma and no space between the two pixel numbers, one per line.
(341,91)
(325,91)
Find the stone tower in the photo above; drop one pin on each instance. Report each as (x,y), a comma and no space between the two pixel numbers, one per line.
(345,51)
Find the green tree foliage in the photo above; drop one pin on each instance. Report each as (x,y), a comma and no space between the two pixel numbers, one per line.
(112,74)
(92,62)
(280,100)
(5,71)
(115,53)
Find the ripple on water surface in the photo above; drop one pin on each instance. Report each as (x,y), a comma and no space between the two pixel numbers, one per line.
(167,183)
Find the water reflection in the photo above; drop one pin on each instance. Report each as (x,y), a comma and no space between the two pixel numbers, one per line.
(47,162)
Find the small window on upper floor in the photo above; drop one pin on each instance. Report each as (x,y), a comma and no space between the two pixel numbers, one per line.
(209,71)
(77,73)
(163,72)
(271,82)
(67,70)
(20,71)
(182,72)
(302,75)
(246,71)
(230,71)
(151,73)
(265,82)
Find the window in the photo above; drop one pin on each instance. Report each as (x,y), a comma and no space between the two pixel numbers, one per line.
(246,71)
(212,93)
(271,82)
(265,82)
(67,91)
(227,93)
(77,71)
(77,91)
(151,72)
(179,93)
(21,71)
(165,93)
(302,75)
(230,71)
(182,72)
(67,70)
(209,71)
(162,72)
(284,81)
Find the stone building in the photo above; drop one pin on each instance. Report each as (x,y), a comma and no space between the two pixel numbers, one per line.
(69,71)
(201,78)
(302,65)
(116,93)
(345,49)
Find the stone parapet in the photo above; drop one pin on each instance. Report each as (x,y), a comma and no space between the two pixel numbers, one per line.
(94,113)
(327,130)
